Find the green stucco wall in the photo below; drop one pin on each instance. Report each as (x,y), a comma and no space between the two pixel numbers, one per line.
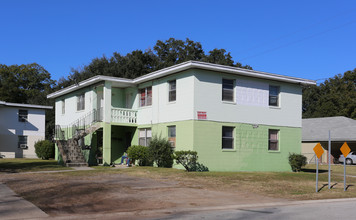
(250,151)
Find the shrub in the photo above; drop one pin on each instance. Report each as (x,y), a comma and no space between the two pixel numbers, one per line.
(44,149)
(161,152)
(200,167)
(139,153)
(297,161)
(188,159)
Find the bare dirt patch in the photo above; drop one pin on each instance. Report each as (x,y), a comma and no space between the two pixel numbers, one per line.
(86,192)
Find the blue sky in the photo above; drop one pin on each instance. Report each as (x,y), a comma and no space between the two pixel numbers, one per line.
(308,39)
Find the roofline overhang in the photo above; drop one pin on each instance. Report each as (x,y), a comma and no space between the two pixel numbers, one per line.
(181,67)
(2,103)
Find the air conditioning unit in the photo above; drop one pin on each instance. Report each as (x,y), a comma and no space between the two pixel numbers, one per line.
(23,146)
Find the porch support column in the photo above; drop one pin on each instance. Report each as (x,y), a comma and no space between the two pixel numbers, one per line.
(107,124)
(106,143)
(107,102)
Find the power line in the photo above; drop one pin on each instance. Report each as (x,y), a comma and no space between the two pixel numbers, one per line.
(299,30)
(297,41)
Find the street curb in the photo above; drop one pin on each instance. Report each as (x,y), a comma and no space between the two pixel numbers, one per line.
(160,213)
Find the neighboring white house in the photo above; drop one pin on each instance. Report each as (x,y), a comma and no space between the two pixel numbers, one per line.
(21,125)
(236,119)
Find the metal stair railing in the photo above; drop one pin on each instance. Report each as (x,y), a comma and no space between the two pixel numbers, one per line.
(72,130)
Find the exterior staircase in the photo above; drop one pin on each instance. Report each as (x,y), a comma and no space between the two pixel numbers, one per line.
(68,138)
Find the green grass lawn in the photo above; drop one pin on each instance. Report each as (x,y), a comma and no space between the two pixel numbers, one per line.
(26,165)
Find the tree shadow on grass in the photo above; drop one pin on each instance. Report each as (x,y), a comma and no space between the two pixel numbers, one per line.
(15,167)
(347,187)
(313,171)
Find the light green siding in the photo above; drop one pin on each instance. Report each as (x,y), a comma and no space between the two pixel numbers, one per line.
(118,98)
(250,151)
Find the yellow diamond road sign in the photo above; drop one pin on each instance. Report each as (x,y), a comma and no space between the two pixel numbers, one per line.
(318,149)
(345,150)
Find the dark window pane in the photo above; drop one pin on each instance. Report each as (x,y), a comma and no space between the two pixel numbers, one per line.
(172,131)
(172,96)
(227,137)
(228,90)
(273,139)
(273,100)
(273,95)
(227,132)
(227,143)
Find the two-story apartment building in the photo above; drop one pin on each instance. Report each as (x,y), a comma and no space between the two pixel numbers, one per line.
(21,125)
(236,119)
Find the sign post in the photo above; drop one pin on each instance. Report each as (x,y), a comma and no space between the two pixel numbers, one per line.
(329,153)
(318,150)
(345,150)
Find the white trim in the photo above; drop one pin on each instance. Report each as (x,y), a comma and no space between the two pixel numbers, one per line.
(178,68)
(25,105)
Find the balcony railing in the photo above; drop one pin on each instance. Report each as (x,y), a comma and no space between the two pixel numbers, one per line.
(123,115)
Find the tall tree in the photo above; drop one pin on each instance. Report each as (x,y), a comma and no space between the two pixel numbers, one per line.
(137,63)
(28,84)
(335,97)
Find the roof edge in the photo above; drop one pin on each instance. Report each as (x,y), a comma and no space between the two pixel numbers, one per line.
(181,67)
(25,105)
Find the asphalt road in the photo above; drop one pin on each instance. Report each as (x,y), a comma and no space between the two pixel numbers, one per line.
(323,210)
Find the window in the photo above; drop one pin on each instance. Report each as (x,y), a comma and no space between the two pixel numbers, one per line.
(22,142)
(172,135)
(273,140)
(228,90)
(273,95)
(23,115)
(146,96)
(172,91)
(227,137)
(81,102)
(144,136)
(63,106)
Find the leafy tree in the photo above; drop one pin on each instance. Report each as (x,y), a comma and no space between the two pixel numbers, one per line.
(138,63)
(335,97)
(28,84)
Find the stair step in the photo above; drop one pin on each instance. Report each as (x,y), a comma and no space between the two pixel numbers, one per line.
(73,164)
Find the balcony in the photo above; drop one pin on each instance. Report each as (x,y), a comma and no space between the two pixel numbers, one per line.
(123,115)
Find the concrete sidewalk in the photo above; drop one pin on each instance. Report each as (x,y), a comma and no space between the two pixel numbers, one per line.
(13,206)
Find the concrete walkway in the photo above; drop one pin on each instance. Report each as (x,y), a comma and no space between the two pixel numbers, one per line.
(14,207)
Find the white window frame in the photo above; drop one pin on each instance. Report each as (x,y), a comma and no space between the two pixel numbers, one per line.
(172,92)
(224,138)
(147,137)
(274,141)
(147,100)
(274,96)
(22,141)
(81,102)
(172,137)
(228,90)
(63,102)
(23,115)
